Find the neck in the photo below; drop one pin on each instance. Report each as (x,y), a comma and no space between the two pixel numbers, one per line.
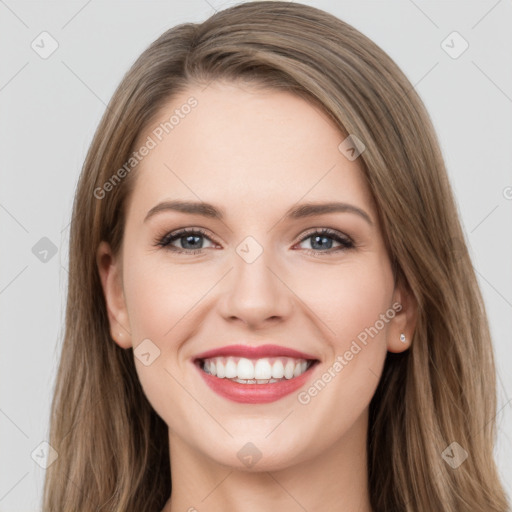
(335,480)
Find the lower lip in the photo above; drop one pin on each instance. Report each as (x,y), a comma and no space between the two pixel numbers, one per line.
(255,393)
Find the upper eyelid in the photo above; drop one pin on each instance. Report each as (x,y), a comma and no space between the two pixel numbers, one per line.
(330,232)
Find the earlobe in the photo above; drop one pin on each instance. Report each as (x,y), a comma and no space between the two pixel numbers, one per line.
(109,269)
(401,328)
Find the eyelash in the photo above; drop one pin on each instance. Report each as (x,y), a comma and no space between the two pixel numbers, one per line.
(165,241)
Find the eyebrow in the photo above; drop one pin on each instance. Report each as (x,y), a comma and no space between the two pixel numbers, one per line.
(295,212)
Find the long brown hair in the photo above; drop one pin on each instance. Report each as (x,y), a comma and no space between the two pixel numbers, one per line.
(112,447)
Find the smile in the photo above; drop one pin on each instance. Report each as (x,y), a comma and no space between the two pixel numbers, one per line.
(255,371)
(254,375)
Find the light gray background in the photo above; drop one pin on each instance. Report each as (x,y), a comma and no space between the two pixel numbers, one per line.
(51,107)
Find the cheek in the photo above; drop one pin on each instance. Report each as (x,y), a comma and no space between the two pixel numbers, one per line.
(348,298)
(160,298)
(160,295)
(354,306)
(336,399)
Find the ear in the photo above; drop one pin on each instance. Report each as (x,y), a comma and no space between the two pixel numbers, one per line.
(404,321)
(110,271)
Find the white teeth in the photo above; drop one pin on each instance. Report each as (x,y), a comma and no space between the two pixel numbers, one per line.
(245,369)
(300,368)
(231,369)
(259,371)
(278,370)
(289,369)
(262,370)
(220,370)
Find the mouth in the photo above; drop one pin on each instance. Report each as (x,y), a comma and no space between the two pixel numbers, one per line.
(266,370)
(233,375)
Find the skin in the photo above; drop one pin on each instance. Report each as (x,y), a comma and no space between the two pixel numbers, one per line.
(255,153)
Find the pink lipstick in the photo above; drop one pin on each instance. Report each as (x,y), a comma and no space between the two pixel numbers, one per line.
(249,374)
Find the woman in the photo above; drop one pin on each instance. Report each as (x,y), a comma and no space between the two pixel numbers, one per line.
(211,360)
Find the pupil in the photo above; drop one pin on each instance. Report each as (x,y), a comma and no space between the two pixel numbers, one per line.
(323,238)
(191,237)
(320,240)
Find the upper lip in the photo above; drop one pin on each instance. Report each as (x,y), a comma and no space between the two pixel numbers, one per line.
(252,352)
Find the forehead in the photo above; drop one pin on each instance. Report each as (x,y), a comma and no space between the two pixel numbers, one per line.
(248,145)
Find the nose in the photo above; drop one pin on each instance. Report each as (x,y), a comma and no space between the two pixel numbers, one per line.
(254,293)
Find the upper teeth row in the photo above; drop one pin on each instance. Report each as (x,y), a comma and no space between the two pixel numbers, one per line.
(266,368)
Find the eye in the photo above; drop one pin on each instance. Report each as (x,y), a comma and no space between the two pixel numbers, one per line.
(190,240)
(322,239)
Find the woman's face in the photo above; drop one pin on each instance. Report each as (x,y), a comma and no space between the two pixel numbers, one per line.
(255,275)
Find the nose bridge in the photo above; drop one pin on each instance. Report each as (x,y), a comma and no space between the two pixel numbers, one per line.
(251,266)
(252,275)
(255,293)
